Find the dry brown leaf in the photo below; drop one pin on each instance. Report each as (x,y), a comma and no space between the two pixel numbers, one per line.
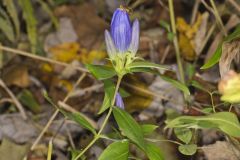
(187,35)
(201,33)
(230,52)
(224,150)
(65,52)
(88,25)
(16,75)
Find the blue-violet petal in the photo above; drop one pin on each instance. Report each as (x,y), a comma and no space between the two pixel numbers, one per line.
(135,37)
(121,30)
(111,49)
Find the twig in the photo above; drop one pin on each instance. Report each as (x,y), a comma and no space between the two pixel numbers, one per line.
(4,100)
(15,100)
(218,17)
(234,4)
(45,59)
(207,6)
(70,138)
(165,53)
(56,113)
(81,92)
(194,12)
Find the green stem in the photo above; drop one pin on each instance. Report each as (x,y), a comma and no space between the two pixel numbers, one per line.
(162,140)
(175,41)
(104,122)
(213,106)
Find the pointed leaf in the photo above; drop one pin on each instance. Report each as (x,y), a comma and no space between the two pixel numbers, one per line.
(154,152)
(31,22)
(109,90)
(101,72)
(217,55)
(177,84)
(80,119)
(13,13)
(148,128)
(225,121)
(116,151)
(146,64)
(7,29)
(129,127)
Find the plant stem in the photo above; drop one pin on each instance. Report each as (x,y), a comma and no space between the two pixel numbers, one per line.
(104,122)
(213,106)
(218,17)
(163,140)
(175,41)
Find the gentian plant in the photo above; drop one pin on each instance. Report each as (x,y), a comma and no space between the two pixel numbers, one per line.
(122,44)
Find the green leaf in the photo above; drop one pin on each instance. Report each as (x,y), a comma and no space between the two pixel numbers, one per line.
(101,72)
(13,13)
(109,90)
(225,121)
(153,152)
(170,36)
(214,59)
(124,93)
(146,70)
(184,134)
(28,100)
(116,151)
(129,127)
(148,128)
(207,110)
(188,149)
(217,55)
(165,25)
(6,28)
(177,84)
(31,22)
(146,64)
(80,119)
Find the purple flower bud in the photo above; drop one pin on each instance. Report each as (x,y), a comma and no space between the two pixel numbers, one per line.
(121,30)
(123,37)
(119,101)
(135,37)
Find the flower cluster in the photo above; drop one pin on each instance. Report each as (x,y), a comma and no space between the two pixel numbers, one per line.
(123,40)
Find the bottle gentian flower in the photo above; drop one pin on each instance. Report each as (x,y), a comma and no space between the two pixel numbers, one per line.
(124,37)
(119,101)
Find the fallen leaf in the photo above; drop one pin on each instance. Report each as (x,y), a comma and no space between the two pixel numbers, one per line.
(16,75)
(13,127)
(224,150)
(187,34)
(12,151)
(65,52)
(230,52)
